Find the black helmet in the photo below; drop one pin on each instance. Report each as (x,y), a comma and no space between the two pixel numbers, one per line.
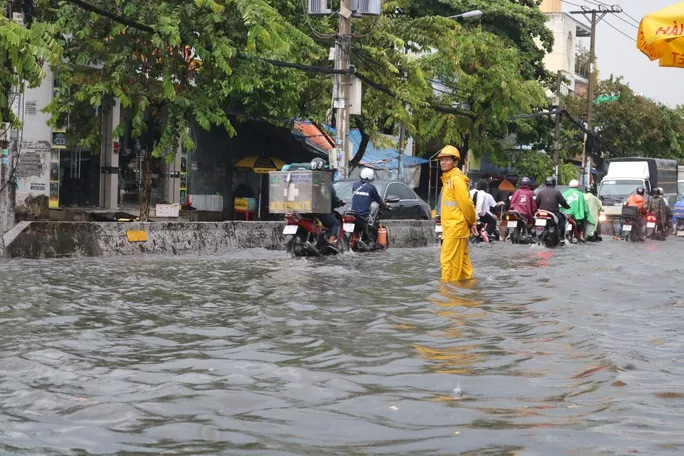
(550,181)
(526,182)
(640,190)
(656,192)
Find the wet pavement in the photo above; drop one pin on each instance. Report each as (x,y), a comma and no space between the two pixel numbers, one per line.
(573,351)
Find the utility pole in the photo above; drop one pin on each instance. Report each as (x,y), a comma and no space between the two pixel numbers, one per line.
(556,134)
(341,100)
(595,16)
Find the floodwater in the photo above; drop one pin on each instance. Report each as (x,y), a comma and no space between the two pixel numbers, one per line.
(579,350)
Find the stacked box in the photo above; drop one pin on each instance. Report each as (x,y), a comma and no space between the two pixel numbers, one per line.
(299,191)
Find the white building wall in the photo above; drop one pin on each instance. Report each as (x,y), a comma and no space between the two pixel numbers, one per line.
(563,55)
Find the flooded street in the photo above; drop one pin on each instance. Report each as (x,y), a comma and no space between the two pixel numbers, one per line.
(579,350)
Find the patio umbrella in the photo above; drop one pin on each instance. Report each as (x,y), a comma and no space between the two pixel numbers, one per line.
(260,164)
(661,36)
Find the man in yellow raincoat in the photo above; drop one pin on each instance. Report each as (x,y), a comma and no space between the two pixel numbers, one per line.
(458,216)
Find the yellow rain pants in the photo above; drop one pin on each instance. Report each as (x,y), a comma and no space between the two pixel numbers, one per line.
(455,260)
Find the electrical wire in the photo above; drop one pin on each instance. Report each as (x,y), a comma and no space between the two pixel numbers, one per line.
(617,16)
(618,30)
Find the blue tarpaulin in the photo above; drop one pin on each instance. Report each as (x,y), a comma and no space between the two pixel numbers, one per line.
(380,158)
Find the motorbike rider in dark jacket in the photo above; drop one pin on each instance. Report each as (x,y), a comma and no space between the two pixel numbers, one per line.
(329,220)
(551,199)
(364,194)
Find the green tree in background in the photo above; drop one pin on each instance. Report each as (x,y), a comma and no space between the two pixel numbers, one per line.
(630,124)
(171,62)
(23,52)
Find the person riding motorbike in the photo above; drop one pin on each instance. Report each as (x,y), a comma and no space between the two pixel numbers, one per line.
(640,201)
(523,200)
(329,220)
(657,206)
(578,208)
(594,207)
(364,195)
(551,200)
(484,202)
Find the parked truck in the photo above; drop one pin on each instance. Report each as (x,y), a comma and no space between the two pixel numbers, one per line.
(625,175)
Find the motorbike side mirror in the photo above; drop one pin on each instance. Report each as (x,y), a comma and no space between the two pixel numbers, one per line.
(392,200)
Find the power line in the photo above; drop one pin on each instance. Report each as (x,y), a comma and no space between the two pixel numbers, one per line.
(617,16)
(625,13)
(618,30)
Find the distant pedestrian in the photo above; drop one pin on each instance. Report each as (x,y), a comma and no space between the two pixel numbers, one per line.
(458,216)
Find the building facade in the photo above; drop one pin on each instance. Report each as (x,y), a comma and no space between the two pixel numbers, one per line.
(567,33)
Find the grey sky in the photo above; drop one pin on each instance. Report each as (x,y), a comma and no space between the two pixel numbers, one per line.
(618,55)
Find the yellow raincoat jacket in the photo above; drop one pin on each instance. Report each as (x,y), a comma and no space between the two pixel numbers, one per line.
(458,216)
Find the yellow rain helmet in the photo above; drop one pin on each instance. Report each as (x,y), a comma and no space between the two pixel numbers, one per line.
(449,151)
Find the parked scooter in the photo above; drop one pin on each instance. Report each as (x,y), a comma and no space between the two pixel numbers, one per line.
(546,229)
(517,228)
(374,237)
(305,236)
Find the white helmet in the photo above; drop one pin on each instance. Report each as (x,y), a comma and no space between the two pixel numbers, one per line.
(367,175)
(574,183)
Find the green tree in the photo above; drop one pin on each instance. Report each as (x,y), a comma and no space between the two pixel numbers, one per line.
(23,52)
(445,80)
(172,62)
(631,124)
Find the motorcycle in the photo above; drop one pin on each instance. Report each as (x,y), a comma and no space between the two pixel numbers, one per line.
(654,229)
(596,236)
(630,225)
(374,237)
(517,229)
(680,227)
(438,229)
(546,228)
(480,233)
(571,230)
(305,236)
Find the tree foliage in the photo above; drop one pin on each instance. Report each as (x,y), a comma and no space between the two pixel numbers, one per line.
(632,125)
(23,52)
(193,66)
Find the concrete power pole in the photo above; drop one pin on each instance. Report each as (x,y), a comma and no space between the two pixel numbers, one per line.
(342,84)
(595,16)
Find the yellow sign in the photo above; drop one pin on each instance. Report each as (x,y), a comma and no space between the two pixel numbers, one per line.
(136,235)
